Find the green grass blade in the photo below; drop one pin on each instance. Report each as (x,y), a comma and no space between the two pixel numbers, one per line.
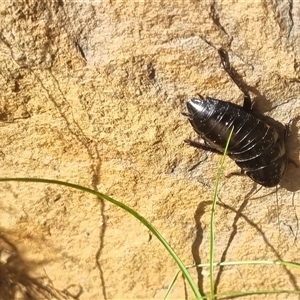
(241,295)
(172,285)
(212,219)
(248,262)
(127,209)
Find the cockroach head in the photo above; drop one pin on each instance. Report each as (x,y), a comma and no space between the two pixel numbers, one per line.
(194,106)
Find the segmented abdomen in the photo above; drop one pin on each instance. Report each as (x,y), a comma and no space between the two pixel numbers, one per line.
(256,147)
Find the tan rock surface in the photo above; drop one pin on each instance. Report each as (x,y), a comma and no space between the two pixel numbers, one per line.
(92,93)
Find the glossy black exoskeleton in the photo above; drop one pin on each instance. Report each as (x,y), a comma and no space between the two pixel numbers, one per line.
(256,147)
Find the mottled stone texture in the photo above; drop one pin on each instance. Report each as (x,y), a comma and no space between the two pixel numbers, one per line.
(92,93)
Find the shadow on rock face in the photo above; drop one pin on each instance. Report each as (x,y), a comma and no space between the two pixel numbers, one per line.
(17,283)
(291,178)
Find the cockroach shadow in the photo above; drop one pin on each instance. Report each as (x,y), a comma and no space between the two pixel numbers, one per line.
(291,178)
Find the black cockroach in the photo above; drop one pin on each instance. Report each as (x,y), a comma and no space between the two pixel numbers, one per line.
(256,147)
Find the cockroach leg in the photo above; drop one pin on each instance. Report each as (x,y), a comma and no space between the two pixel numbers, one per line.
(201,146)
